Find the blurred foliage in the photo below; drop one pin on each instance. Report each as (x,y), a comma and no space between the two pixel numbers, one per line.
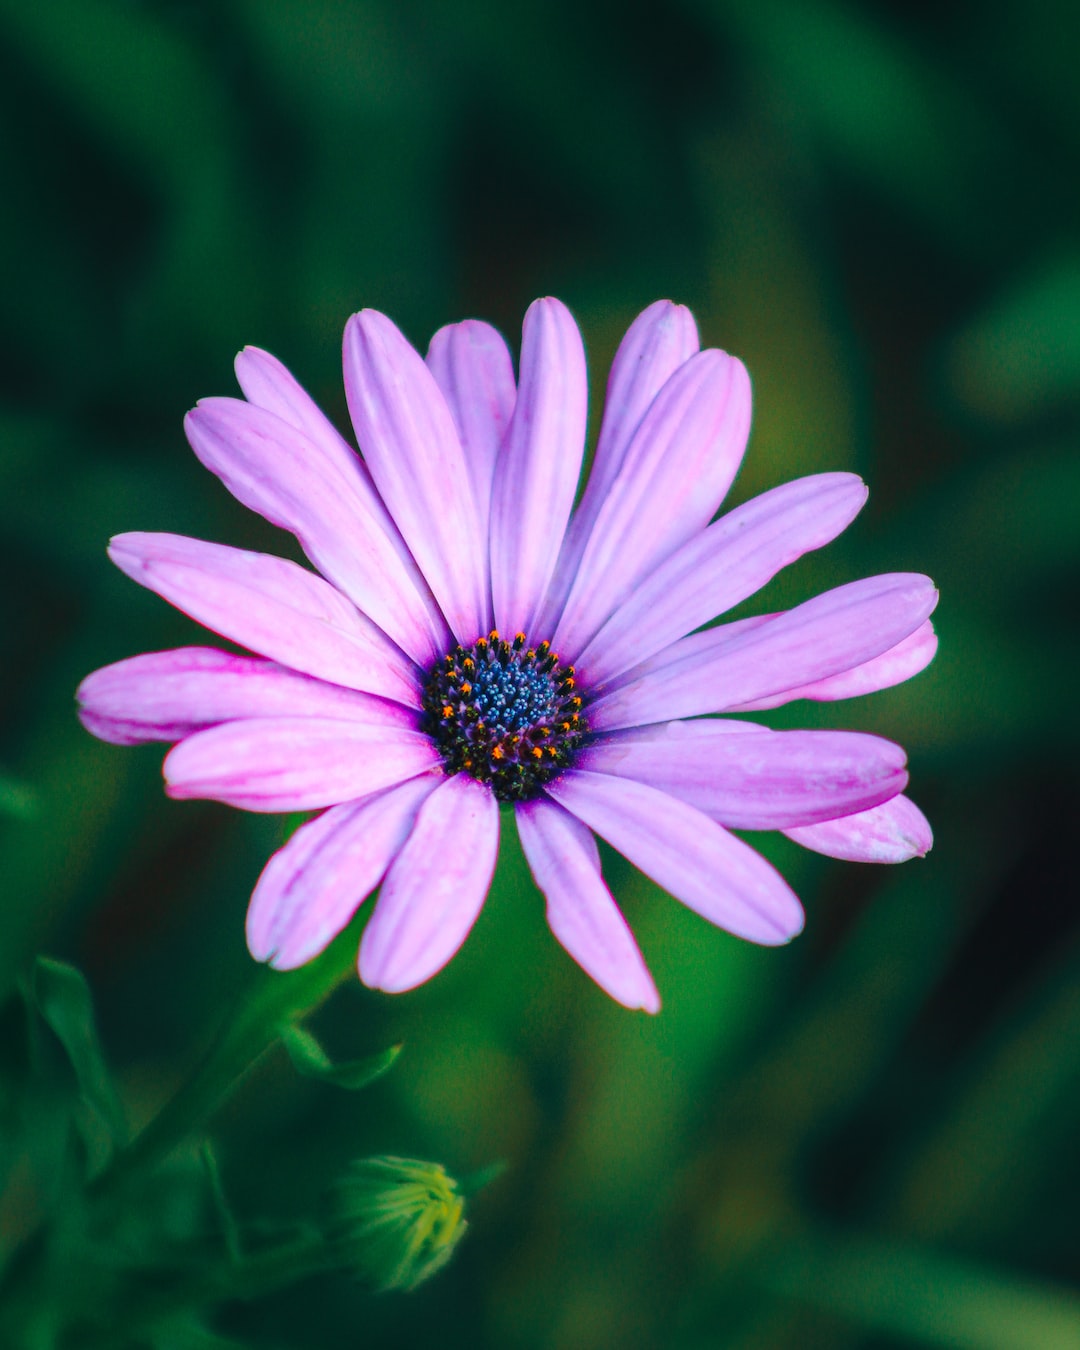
(864,1141)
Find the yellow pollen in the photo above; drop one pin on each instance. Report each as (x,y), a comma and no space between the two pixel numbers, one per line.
(466,687)
(496,752)
(447,710)
(537,753)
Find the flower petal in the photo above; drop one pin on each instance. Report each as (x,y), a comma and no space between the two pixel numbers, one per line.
(294,763)
(271,606)
(890,833)
(328,502)
(581,911)
(311,888)
(472,366)
(697,860)
(768,781)
(677,469)
(738,664)
(267,384)
(411,447)
(536,475)
(895,666)
(435,887)
(721,566)
(165,696)
(656,344)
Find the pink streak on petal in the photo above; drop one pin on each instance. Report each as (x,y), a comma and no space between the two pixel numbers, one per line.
(272,607)
(768,781)
(472,366)
(165,696)
(677,470)
(698,861)
(411,446)
(581,911)
(731,667)
(891,833)
(332,508)
(311,888)
(656,344)
(536,475)
(716,569)
(435,888)
(895,666)
(294,763)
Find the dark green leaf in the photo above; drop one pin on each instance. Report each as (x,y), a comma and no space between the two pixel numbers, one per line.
(312,1061)
(62,997)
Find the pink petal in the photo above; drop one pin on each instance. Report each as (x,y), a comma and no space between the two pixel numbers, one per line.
(271,606)
(656,344)
(327,500)
(435,887)
(890,833)
(697,860)
(721,566)
(678,467)
(411,447)
(269,385)
(736,665)
(895,666)
(583,915)
(294,763)
(311,888)
(537,472)
(767,781)
(165,696)
(472,366)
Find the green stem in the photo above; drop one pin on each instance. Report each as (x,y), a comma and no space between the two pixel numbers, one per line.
(275,998)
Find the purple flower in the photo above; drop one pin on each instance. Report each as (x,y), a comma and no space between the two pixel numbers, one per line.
(478,640)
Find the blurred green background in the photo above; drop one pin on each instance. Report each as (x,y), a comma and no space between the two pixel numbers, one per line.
(866,1140)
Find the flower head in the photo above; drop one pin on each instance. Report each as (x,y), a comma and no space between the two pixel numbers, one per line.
(397,1220)
(476,639)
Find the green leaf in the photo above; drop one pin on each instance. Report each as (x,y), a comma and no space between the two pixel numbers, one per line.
(230,1229)
(312,1061)
(62,997)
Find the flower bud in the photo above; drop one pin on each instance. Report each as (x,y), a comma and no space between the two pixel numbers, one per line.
(398,1220)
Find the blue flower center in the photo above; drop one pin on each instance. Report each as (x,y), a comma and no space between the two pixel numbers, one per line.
(506,713)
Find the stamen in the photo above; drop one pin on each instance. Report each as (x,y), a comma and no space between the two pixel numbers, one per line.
(504,712)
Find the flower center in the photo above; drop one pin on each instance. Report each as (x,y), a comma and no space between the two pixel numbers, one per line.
(507,713)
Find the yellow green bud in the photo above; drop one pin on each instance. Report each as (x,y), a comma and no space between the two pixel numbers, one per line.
(398,1220)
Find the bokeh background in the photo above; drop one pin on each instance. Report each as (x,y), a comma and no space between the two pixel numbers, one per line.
(866,1140)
